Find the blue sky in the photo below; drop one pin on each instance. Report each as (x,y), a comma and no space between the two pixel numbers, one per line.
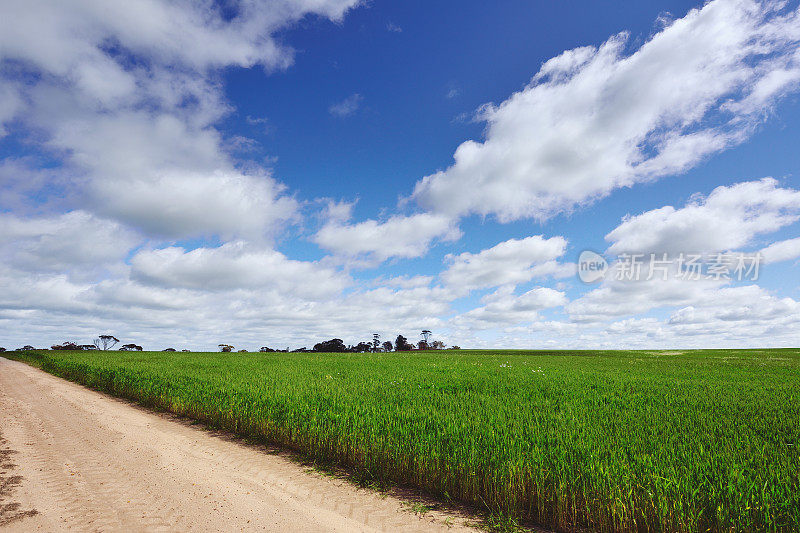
(280,172)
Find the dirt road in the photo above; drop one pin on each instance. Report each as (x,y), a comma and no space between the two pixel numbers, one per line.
(77,460)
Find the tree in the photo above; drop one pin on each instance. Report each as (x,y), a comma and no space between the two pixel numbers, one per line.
(332,346)
(242,351)
(362,347)
(88,347)
(225,348)
(422,345)
(104,342)
(437,345)
(426,336)
(376,342)
(168,350)
(266,349)
(2,349)
(387,346)
(65,346)
(26,348)
(131,348)
(401,344)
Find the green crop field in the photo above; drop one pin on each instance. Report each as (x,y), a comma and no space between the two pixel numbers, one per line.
(615,441)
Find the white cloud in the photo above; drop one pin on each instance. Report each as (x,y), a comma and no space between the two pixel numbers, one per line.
(713,308)
(337,212)
(200,298)
(127,96)
(724,317)
(346,107)
(729,218)
(503,308)
(399,236)
(70,39)
(235,265)
(62,243)
(596,119)
(781,251)
(704,311)
(616,298)
(404,282)
(179,204)
(749,309)
(508,263)
(128,99)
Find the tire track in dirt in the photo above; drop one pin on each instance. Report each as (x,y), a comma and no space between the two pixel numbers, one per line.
(10,510)
(93,463)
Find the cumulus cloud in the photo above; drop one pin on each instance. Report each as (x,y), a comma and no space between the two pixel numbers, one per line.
(127,96)
(503,307)
(71,39)
(232,266)
(729,218)
(595,119)
(616,298)
(781,251)
(508,263)
(398,236)
(179,204)
(199,298)
(42,295)
(62,243)
(128,101)
(743,316)
(705,309)
(744,305)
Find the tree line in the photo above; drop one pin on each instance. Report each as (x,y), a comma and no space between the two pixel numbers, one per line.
(401,344)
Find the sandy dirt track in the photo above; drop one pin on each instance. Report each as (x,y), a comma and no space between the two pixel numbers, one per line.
(78,460)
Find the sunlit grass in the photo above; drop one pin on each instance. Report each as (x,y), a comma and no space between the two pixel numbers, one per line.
(605,440)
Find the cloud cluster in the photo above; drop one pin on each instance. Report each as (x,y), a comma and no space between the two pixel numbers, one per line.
(127,95)
(509,263)
(72,243)
(595,119)
(504,308)
(398,236)
(235,265)
(782,251)
(728,219)
(148,228)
